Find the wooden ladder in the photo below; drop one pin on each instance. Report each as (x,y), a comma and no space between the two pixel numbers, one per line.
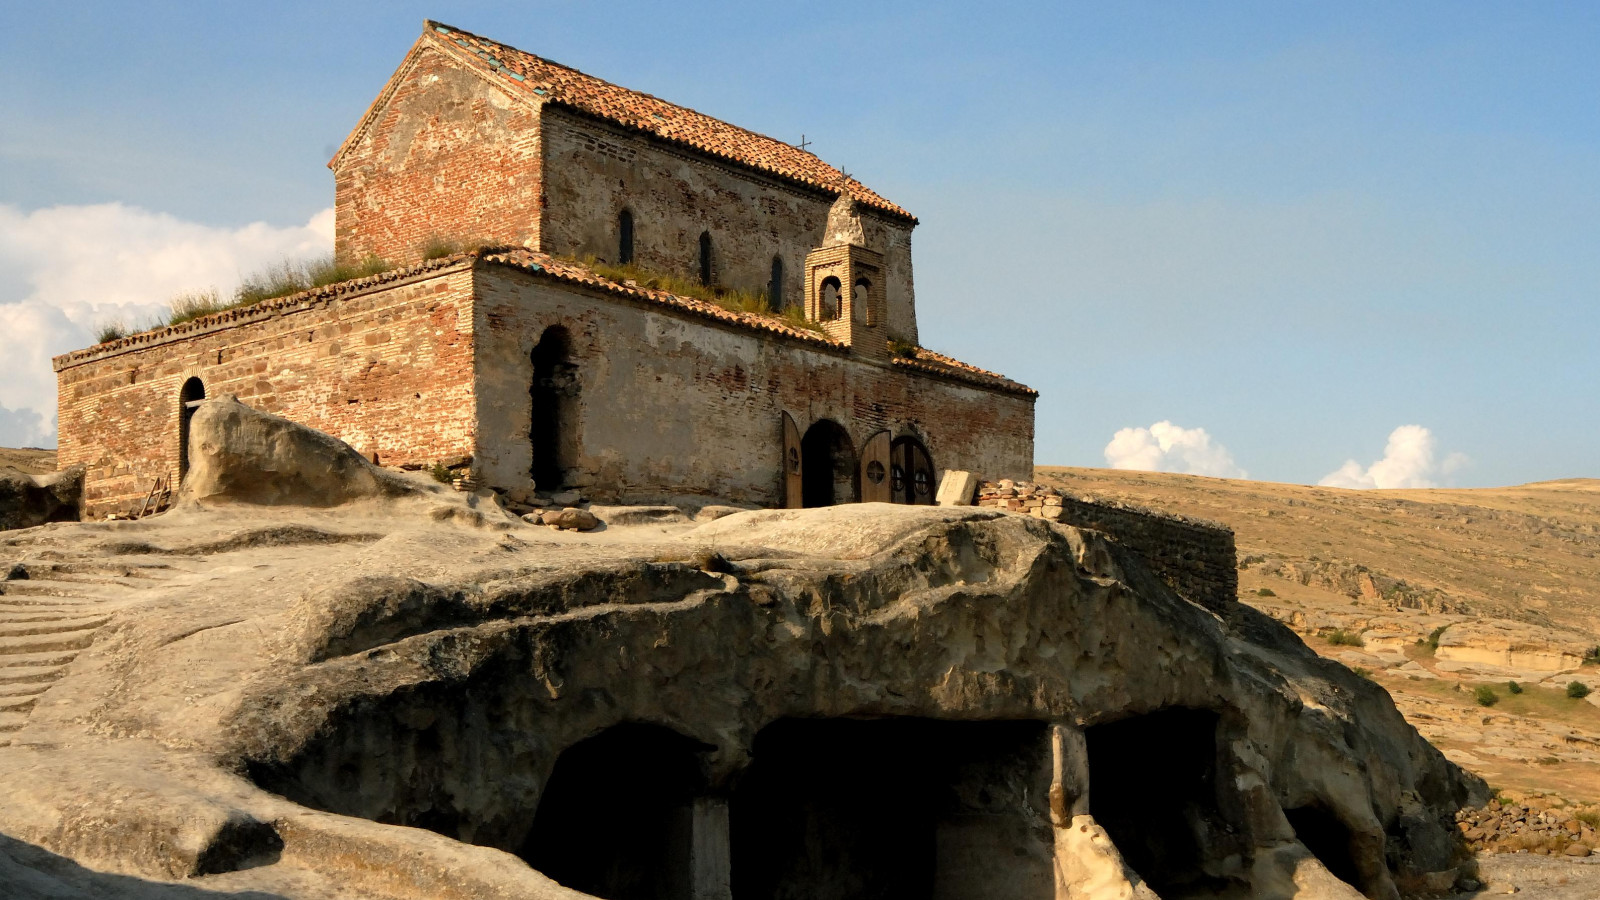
(156,500)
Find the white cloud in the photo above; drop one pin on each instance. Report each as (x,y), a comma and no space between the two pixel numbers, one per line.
(66,269)
(1408,462)
(1165,447)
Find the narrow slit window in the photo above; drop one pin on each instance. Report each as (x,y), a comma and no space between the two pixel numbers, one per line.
(705,258)
(775,285)
(625,238)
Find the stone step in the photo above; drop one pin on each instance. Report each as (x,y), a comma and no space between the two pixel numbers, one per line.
(96,572)
(42,658)
(18,615)
(36,588)
(18,704)
(45,674)
(12,721)
(25,688)
(33,604)
(41,643)
(60,626)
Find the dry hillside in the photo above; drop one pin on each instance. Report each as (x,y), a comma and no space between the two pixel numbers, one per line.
(1435,593)
(28,459)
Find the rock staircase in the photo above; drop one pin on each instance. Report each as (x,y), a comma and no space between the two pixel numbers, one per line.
(50,612)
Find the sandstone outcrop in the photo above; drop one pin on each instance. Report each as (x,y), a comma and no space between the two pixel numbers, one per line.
(425,697)
(1031,679)
(28,500)
(242,455)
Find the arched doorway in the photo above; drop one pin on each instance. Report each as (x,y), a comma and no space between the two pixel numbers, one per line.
(615,817)
(192,392)
(911,473)
(554,427)
(828,460)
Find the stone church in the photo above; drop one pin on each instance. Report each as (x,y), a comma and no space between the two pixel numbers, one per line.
(524,362)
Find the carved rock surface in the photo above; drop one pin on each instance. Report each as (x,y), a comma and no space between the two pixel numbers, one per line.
(289,687)
(425,697)
(28,500)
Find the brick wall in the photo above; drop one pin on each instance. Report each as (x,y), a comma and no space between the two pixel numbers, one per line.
(672,404)
(444,155)
(386,367)
(594,170)
(1195,557)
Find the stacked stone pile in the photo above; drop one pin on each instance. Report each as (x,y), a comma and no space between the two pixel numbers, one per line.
(1519,828)
(1021,496)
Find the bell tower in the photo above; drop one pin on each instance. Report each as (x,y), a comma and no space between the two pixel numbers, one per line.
(845,287)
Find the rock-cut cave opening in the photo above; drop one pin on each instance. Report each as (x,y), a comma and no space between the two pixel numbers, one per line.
(893,808)
(1328,840)
(1153,786)
(614,819)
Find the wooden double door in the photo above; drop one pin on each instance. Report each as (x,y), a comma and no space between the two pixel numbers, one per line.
(819,470)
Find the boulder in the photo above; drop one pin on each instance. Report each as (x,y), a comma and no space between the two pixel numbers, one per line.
(27,500)
(242,455)
(570,519)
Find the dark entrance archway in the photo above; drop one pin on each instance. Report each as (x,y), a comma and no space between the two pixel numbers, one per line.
(1328,840)
(893,808)
(615,816)
(828,460)
(554,427)
(1153,787)
(193,391)
(911,472)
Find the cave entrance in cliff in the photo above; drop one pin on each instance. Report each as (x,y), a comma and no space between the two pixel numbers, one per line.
(615,818)
(828,465)
(553,430)
(891,808)
(1328,840)
(189,398)
(1153,787)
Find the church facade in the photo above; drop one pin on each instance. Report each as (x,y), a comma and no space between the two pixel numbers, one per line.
(534,359)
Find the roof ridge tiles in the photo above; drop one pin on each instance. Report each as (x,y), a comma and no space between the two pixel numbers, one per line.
(689,127)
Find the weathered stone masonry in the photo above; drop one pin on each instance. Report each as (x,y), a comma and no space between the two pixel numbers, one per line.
(432,365)
(540,369)
(384,364)
(473,141)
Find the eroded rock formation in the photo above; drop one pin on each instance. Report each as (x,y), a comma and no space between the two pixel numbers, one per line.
(28,500)
(854,701)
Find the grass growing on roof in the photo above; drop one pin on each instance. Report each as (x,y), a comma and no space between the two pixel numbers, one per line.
(277,280)
(112,330)
(733,299)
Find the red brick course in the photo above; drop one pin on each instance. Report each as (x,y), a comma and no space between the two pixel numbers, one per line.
(386,370)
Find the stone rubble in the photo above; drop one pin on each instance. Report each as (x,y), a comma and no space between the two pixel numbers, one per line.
(1021,496)
(1525,828)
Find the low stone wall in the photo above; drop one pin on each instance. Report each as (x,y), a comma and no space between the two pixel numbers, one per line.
(1193,556)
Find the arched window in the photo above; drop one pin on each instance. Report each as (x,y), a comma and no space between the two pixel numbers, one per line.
(775,286)
(828,300)
(861,302)
(192,392)
(625,238)
(705,257)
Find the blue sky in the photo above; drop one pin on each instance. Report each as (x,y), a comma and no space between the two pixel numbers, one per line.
(1297,227)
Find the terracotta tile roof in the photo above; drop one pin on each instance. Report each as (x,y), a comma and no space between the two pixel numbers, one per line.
(545,266)
(937,363)
(575,273)
(541,80)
